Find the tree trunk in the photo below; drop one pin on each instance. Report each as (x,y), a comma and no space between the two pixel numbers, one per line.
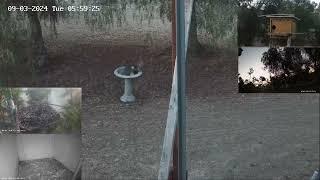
(194,44)
(39,51)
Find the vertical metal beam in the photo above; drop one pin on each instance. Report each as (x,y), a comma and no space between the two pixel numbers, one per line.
(170,148)
(181,85)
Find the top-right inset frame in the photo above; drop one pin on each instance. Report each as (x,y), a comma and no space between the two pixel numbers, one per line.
(279,23)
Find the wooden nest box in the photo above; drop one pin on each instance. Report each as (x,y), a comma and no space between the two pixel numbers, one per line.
(281,25)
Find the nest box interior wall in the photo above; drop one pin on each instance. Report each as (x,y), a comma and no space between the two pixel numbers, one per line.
(66,149)
(35,146)
(8,156)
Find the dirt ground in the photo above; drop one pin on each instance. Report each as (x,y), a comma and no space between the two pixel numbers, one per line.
(229,135)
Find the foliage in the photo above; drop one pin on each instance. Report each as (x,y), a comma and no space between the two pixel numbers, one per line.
(290,61)
(218,19)
(294,83)
(248,24)
(215,17)
(13,31)
(71,115)
(114,12)
(250,72)
(7,94)
(16,53)
(272,59)
(71,118)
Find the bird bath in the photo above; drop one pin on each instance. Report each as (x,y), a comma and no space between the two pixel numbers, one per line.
(128,73)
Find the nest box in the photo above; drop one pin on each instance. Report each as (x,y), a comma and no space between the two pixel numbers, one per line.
(281,25)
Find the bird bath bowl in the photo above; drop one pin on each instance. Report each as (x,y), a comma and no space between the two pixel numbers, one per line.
(128,73)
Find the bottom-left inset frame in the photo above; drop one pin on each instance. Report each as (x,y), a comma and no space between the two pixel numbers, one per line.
(40,156)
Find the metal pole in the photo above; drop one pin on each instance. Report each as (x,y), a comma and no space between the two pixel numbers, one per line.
(181,83)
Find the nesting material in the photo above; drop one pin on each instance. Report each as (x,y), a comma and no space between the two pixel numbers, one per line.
(37,117)
(44,169)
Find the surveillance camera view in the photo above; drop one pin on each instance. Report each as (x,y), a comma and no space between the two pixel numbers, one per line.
(40,110)
(283,69)
(40,156)
(279,23)
(122,54)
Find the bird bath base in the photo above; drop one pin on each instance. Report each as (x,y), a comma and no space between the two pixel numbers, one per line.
(128,73)
(128,91)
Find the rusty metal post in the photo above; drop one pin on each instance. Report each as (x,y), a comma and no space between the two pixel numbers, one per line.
(173,33)
(174,170)
(175,154)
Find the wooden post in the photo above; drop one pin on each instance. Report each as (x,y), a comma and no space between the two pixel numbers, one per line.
(175,154)
(289,40)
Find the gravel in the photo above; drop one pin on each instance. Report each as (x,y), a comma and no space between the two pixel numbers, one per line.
(43,169)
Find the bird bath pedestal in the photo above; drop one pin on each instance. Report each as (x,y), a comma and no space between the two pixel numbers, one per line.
(128,73)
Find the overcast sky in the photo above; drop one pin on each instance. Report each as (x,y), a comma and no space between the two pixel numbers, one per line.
(251,58)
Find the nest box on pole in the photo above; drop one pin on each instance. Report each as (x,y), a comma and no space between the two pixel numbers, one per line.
(281,26)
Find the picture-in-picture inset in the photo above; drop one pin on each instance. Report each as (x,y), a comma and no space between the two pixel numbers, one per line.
(40,156)
(279,23)
(40,110)
(282,69)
